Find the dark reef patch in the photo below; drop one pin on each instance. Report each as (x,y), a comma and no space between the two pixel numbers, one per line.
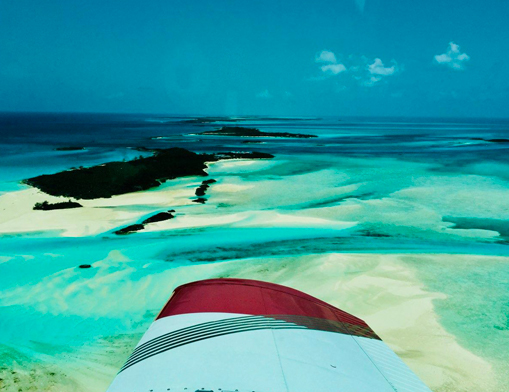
(490,140)
(371,233)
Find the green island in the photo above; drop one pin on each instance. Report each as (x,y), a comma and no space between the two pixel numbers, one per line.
(46,206)
(253,132)
(160,217)
(116,178)
(70,148)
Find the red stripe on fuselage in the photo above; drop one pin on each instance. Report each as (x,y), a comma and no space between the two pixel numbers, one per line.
(251,297)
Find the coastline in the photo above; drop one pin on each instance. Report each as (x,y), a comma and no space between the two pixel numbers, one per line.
(379,288)
(384,291)
(95,217)
(287,220)
(101,215)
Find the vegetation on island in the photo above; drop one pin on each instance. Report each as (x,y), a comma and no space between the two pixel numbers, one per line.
(202,189)
(116,178)
(253,132)
(45,206)
(130,229)
(161,216)
(70,148)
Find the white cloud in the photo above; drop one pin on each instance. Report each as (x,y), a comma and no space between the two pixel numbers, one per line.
(377,68)
(264,94)
(331,66)
(333,69)
(377,72)
(325,56)
(364,71)
(453,58)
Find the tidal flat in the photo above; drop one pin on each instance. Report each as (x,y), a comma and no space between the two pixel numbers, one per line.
(402,222)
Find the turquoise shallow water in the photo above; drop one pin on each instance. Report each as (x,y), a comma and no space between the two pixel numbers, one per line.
(363,186)
(477,306)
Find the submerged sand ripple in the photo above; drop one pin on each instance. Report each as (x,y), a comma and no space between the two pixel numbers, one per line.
(376,196)
(381,288)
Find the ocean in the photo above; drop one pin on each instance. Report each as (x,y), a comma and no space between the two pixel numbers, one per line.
(402,222)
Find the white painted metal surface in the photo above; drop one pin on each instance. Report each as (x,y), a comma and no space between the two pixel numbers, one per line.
(233,355)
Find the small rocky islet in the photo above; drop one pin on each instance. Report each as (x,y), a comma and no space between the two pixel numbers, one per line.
(130,229)
(46,206)
(159,217)
(202,190)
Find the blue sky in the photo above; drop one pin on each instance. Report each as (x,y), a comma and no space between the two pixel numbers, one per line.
(323,57)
